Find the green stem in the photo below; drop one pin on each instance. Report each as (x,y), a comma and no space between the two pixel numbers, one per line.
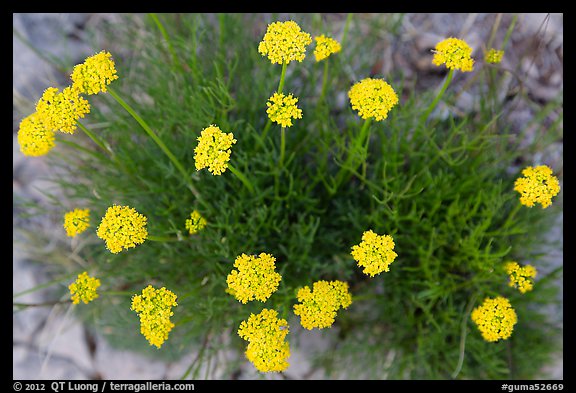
(242,178)
(282,145)
(160,144)
(282,78)
(356,144)
(447,80)
(166,38)
(346,26)
(94,138)
(266,128)
(324,82)
(509,31)
(364,164)
(463,335)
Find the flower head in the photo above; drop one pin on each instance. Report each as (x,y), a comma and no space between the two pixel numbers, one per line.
(122,227)
(195,223)
(84,288)
(317,308)
(372,98)
(375,253)
(538,185)
(284,42)
(494,56)
(213,150)
(33,137)
(59,111)
(76,221)
(325,46)
(254,279)
(92,76)
(154,307)
(521,277)
(495,318)
(267,347)
(454,53)
(282,109)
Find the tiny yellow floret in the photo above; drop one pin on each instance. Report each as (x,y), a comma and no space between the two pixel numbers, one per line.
(92,76)
(282,109)
(521,277)
(494,56)
(318,308)
(34,138)
(255,279)
(375,253)
(59,111)
(84,288)
(538,185)
(284,42)
(213,150)
(76,221)
(454,53)
(122,227)
(267,347)
(195,223)
(325,46)
(495,319)
(154,307)
(372,98)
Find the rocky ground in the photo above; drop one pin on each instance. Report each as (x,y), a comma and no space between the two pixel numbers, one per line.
(48,343)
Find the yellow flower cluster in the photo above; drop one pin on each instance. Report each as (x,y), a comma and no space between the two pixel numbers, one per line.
(495,319)
(92,76)
(318,307)
(494,56)
(154,307)
(213,150)
(372,98)
(76,221)
(454,53)
(325,46)
(538,185)
(284,42)
(375,253)
(33,137)
(195,223)
(282,109)
(255,278)
(521,277)
(59,111)
(267,347)
(122,227)
(84,288)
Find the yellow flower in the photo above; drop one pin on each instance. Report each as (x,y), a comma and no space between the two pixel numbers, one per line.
(213,150)
(34,139)
(122,227)
(92,76)
(495,318)
(154,307)
(375,253)
(538,186)
(521,277)
(266,334)
(454,53)
(318,307)
(284,42)
(84,288)
(76,221)
(494,56)
(59,111)
(195,223)
(372,98)
(325,46)
(254,279)
(282,109)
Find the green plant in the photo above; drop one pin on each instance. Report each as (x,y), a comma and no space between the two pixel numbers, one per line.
(304,194)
